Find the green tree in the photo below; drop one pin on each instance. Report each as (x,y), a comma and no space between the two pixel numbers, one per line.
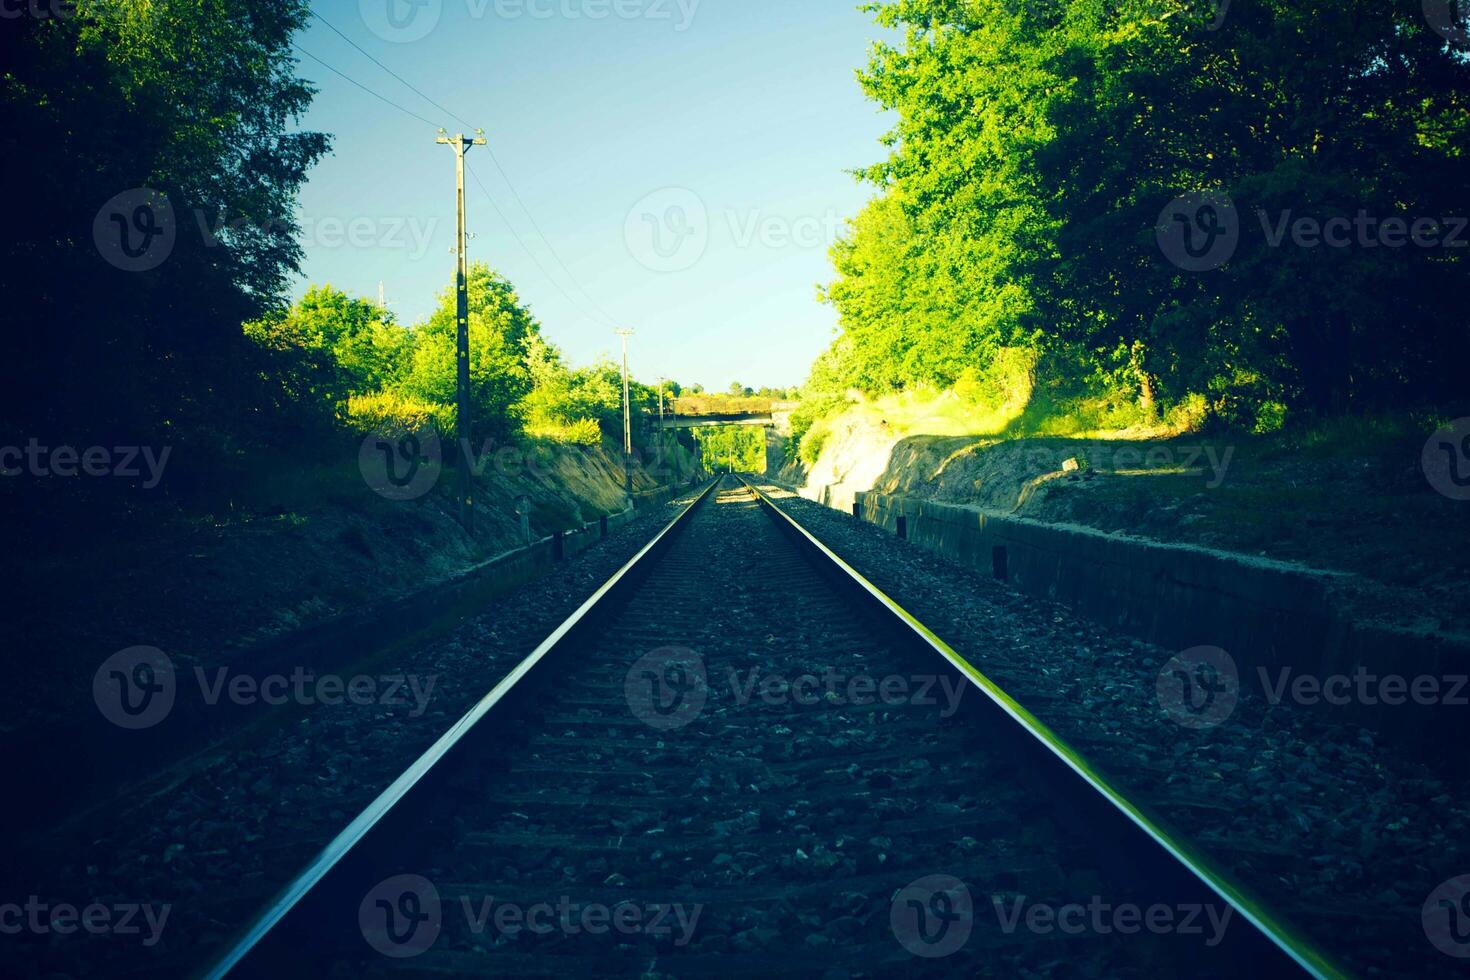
(1038,141)
(500,327)
(570,405)
(368,349)
(195,99)
(1318,110)
(742,447)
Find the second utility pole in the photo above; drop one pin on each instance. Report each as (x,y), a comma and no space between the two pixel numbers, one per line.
(462,419)
(662,447)
(625,333)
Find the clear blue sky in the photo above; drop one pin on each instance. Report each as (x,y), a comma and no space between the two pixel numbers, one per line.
(685,159)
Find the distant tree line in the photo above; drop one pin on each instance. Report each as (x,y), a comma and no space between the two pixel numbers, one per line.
(738,448)
(1025,204)
(347,362)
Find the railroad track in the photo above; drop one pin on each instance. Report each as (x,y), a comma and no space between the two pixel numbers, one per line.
(739,759)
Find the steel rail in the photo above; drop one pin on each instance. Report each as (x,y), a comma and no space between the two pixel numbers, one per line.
(1275,945)
(1268,948)
(350,841)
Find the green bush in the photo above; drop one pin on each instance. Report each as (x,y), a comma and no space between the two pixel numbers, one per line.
(813,409)
(809,447)
(389,411)
(1189,415)
(1270,417)
(1005,383)
(582,432)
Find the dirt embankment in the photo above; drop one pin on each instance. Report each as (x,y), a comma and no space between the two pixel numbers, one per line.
(1361,505)
(202,587)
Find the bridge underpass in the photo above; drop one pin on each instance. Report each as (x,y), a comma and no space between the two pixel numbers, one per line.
(776,422)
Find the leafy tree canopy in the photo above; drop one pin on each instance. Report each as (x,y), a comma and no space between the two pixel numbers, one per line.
(1038,142)
(192,99)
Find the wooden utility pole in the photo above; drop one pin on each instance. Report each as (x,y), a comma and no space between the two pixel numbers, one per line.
(662,446)
(463,420)
(625,333)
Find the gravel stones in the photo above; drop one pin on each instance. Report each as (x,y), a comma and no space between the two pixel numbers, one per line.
(1341,835)
(215,837)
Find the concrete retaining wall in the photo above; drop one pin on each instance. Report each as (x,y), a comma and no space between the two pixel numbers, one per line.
(1268,615)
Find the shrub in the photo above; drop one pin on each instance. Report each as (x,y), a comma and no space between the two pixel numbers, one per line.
(1005,384)
(813,409)
(582,432)
(1189,415)
(388,411)
(1270,417)
(810,446)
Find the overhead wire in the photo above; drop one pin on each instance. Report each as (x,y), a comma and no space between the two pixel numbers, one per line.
(411,87)
(547,241)
(354,81)
(596,312)
(524,247)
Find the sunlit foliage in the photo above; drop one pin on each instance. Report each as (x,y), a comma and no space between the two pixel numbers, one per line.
(736,448)
(1038,142)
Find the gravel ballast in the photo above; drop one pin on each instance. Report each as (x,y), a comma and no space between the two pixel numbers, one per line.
(1344,838)
(206,843)
(1337,834)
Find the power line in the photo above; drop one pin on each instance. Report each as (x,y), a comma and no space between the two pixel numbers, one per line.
(598,311)
(413,88)
(488,196)
(549,247)
(354,81)
(521,242)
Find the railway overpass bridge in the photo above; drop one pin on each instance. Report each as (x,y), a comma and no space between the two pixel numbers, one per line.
(713,421)
(777,416)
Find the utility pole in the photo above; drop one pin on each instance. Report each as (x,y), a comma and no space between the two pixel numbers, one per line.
(662,447)
(461,145)
(625,333)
